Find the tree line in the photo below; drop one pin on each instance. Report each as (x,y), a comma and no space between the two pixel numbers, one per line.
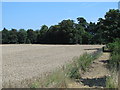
(68,32)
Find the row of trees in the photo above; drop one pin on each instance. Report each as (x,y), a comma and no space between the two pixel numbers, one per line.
(69,32)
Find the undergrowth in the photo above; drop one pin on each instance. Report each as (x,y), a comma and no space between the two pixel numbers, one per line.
(114,64)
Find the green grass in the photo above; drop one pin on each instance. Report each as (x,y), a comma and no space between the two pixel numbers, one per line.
(112,80)
(56,79)
(114,64)
(115,55)
(35,85)
(110,83)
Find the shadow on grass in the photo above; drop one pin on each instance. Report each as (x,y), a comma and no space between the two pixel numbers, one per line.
(98,82)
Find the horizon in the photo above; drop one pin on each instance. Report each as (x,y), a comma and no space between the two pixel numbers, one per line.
(32,15)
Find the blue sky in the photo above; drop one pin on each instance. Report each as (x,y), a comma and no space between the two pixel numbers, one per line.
(35,14)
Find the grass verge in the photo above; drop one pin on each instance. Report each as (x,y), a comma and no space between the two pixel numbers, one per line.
(112,80)
(114,64)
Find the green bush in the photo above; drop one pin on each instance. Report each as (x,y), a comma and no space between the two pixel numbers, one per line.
(115,55)
(115,46)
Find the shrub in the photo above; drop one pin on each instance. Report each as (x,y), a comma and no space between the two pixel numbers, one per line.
(115,55)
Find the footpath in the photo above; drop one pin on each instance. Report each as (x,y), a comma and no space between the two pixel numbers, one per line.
(96,76)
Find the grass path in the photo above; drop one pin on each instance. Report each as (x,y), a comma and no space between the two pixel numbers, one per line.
(95,77)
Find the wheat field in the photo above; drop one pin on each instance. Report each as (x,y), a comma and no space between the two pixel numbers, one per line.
(20,62)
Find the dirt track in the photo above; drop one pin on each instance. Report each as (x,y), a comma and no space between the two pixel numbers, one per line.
(96,76)
(27,61)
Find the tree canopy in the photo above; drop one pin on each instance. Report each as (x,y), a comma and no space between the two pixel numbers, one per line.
(68,32)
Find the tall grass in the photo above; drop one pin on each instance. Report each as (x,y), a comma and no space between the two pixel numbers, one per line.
(112,80)
(56,79)
(114,64)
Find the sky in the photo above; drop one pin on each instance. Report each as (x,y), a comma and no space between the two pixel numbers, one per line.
(32,15)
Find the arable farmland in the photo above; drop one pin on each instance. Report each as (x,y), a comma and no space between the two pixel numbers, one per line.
(21,62)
